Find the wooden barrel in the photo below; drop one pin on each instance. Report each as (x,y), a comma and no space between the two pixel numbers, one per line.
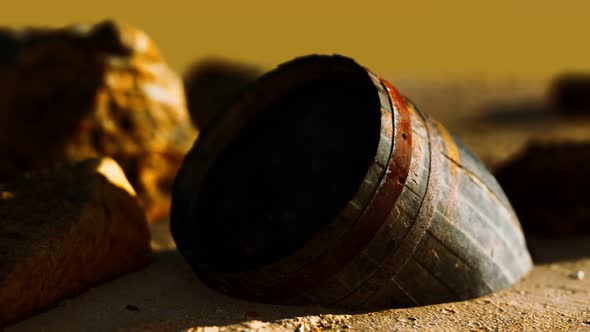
(322,184)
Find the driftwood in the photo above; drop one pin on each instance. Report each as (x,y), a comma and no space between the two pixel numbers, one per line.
(322,184)
(86,91)
(63,231)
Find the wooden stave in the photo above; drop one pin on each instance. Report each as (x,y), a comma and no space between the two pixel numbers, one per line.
(387,281)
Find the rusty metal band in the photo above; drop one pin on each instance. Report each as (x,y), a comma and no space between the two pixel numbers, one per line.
(400,255)
(372,218)
(396,258)
(429,203)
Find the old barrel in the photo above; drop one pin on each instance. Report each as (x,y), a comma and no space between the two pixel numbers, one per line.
(323,184)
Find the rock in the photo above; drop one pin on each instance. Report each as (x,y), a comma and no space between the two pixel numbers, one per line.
(546,184)
(85,91)
(65,230)
(212,84)
(578,275)
(570,93)
(131,307)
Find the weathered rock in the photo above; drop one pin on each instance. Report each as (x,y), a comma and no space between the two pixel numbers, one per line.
(84,91)
(547,183)
(570,93)
(65,230)
(212,84)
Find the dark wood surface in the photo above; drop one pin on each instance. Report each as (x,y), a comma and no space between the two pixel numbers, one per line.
(439,231)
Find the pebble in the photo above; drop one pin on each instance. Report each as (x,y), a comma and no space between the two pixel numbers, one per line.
(64,303)
(131,307)
(6,195)
(578,275)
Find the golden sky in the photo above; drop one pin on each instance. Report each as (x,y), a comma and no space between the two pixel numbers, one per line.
(408,38)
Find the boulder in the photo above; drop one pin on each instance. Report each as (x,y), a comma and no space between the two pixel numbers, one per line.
(84,91)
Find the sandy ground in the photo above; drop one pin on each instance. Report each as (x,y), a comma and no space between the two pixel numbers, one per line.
(496,120)
(167,296)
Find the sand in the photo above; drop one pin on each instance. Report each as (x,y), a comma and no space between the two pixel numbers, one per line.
(167,296)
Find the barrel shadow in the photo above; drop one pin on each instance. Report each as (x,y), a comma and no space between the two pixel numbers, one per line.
(165,296)
(208,307)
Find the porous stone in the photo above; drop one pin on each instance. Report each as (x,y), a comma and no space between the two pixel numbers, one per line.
(65,230)
(93,90)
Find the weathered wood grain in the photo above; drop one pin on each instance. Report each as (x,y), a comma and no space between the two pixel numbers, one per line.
(434,227)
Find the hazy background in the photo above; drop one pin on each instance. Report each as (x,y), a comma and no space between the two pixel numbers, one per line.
(394,38)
